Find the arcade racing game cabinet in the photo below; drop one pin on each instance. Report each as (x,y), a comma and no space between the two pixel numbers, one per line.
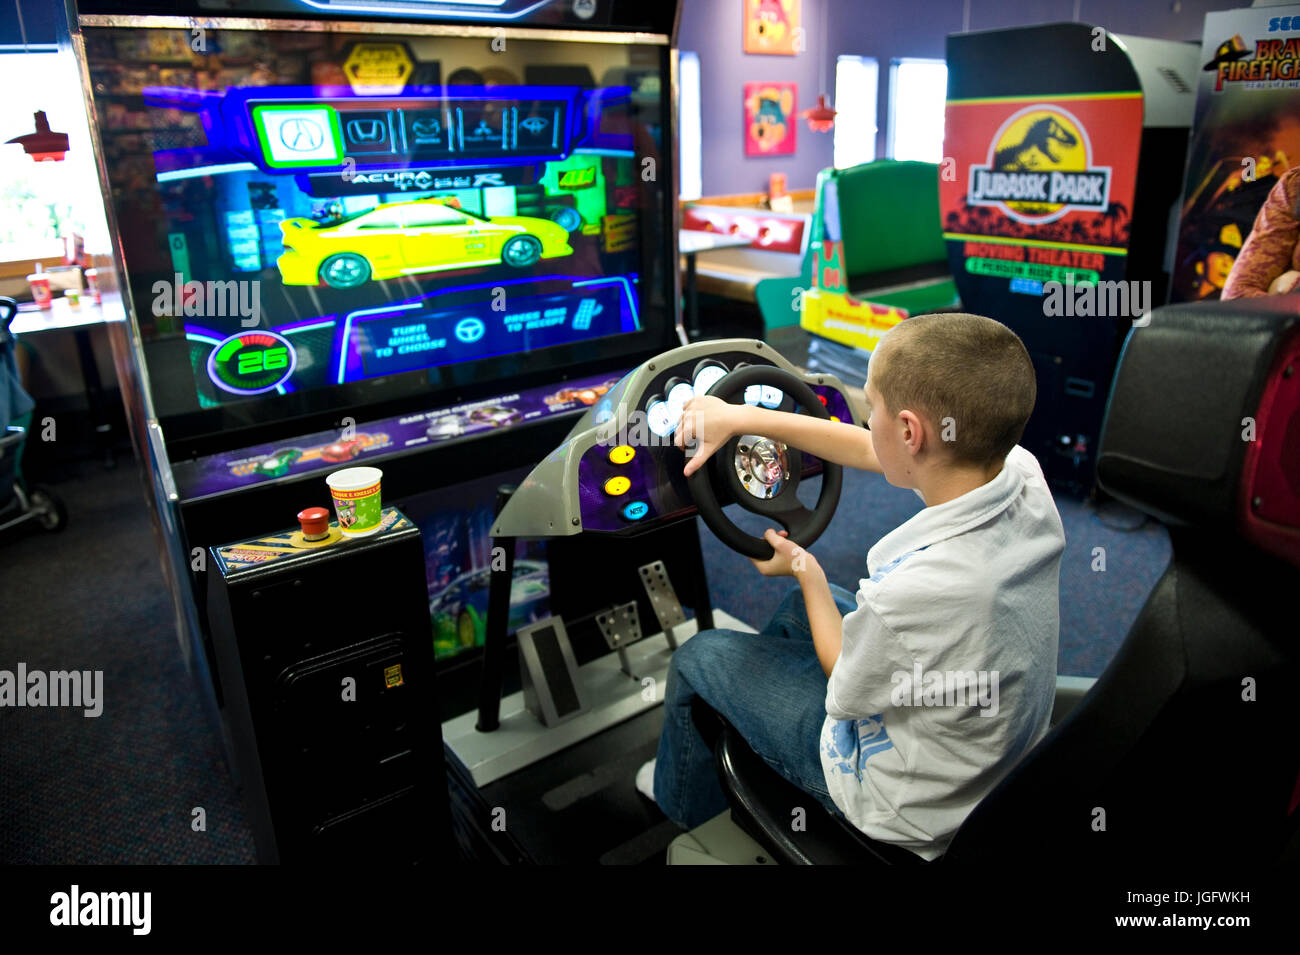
(568,498)
(419,236)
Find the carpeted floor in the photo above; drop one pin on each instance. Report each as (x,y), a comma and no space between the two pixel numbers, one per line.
(122,787)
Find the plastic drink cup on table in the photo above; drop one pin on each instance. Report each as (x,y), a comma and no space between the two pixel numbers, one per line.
(40,284)
(356,500)
(92,285)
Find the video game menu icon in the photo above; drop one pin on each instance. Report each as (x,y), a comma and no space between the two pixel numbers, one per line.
(484,128)
(298,135)
(426,130)
(537,127)
(367,131)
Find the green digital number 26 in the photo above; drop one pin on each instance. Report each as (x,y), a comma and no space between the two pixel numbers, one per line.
(269,359)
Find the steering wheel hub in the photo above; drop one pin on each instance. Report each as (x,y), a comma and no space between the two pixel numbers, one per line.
(762,465)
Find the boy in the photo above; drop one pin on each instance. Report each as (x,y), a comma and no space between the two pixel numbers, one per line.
(902,706)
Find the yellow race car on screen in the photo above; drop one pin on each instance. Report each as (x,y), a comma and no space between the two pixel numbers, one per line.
(402,238)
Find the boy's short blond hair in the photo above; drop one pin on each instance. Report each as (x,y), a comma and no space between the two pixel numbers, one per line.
(968,376)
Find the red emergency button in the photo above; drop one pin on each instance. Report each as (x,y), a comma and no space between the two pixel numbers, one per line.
(315,523)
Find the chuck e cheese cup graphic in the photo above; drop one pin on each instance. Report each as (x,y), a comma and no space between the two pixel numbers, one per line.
(356,500)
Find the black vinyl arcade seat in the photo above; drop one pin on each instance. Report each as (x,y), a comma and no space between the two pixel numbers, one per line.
(1185,751)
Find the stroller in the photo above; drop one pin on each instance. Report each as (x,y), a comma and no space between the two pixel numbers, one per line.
(19,504)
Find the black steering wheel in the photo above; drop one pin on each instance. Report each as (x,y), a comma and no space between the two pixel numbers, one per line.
(763,475)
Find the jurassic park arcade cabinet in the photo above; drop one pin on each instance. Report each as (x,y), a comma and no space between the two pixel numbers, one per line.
(1064,149)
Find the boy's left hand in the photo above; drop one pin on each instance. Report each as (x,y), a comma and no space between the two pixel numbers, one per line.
(790,560)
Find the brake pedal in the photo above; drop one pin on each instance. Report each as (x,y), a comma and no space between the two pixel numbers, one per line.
(621,626)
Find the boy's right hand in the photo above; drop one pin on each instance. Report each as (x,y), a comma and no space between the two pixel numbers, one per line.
(707,424)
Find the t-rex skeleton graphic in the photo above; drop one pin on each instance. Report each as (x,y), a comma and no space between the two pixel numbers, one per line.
(1040,137)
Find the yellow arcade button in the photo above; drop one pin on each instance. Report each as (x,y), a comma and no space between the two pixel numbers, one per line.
(622,454)
(835,417)
(617,485)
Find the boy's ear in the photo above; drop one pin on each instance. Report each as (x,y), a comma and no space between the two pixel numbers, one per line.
(913,431)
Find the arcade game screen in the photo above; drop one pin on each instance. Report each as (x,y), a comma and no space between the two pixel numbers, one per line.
(313,220)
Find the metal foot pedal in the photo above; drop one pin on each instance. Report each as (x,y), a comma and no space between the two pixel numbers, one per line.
(621,626)
(663,599)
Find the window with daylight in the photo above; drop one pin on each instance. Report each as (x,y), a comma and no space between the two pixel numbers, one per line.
(917,91)
(857,80)
(40,202)
(690,147)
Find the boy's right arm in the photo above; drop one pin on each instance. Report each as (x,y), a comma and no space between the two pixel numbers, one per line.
(710,423)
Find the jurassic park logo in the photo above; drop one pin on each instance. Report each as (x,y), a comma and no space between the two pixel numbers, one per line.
(1039,168)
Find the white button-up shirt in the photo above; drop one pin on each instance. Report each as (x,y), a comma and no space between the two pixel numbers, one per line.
(947,671)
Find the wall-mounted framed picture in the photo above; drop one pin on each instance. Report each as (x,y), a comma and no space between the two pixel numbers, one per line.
(770,118)
(772,26)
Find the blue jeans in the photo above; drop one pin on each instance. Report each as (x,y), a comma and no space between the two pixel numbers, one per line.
(770,686)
